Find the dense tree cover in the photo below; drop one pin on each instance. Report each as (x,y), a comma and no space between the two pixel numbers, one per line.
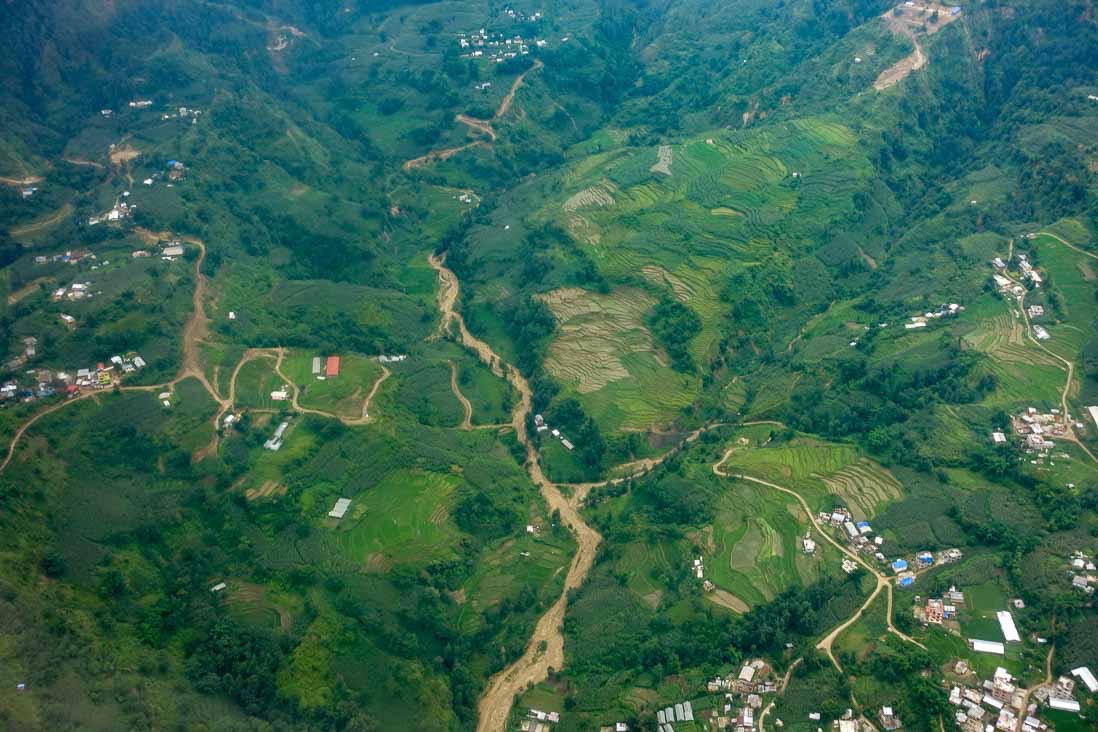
(874,402)
(226,658)
(674,325)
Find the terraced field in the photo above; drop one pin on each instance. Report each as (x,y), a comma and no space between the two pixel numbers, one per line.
(403,519)
(686,218)
(1024,373)
(754,551)
(605,353)
(864,486)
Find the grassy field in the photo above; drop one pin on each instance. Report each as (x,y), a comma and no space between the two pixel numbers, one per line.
(342,395)
(254,383)
(403,519)
(753,548)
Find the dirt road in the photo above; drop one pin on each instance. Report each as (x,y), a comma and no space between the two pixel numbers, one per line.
(444,154)
(20,182)
(1069,365)
(900,70)
(505,105)
(480,125)
(467,422)
(545,648)
(47,223)
(883,582)
(198,325)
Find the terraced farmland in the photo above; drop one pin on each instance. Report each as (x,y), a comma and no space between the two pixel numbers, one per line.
(863,486)
(606,354)
(404,518)
(754,551)
(687,218)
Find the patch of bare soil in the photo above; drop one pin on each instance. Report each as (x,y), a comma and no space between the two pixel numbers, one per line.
(912,21)
(728,600)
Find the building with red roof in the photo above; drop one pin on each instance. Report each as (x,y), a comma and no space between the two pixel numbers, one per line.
(332,367)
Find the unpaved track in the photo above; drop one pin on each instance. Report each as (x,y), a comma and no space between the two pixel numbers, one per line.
(825,644)
(533,666)
(785,684)
(505,105)
(481,125)
(444,154)
(198,325)
(47,223)
(1068,364)
(195,329)
(882,581)
(477,124)
(19,182)
(467,422)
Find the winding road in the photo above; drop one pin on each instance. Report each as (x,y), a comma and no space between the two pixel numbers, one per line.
(1068,364)
(466,405)
(545,649)
(483,126)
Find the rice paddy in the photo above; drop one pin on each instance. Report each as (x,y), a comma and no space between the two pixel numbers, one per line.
(863,486)
(403,519)
(683,219)
(754,550)
(605,353)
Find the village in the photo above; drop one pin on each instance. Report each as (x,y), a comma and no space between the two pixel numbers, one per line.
(999,703)
(861,539)
(43,383)
(1008,286)
(498,47)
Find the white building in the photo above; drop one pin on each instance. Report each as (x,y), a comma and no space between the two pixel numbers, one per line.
(1084,674)
(983,646)
(1006,624)
(340,508)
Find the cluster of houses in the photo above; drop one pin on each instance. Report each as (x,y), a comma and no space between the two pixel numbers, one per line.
(539,721)
(945,311)
(392,359)
(1037,429)
(940,610)
(858,534)
(496,47)
(73,292)
(742,697)
(1061,694)
(183,113)
(71,256)
(118,212)
(173,171)
(43,383)
(1008,286)
(1082,573)
(541,426)
(905,576)
(1028,271)
(994,704)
